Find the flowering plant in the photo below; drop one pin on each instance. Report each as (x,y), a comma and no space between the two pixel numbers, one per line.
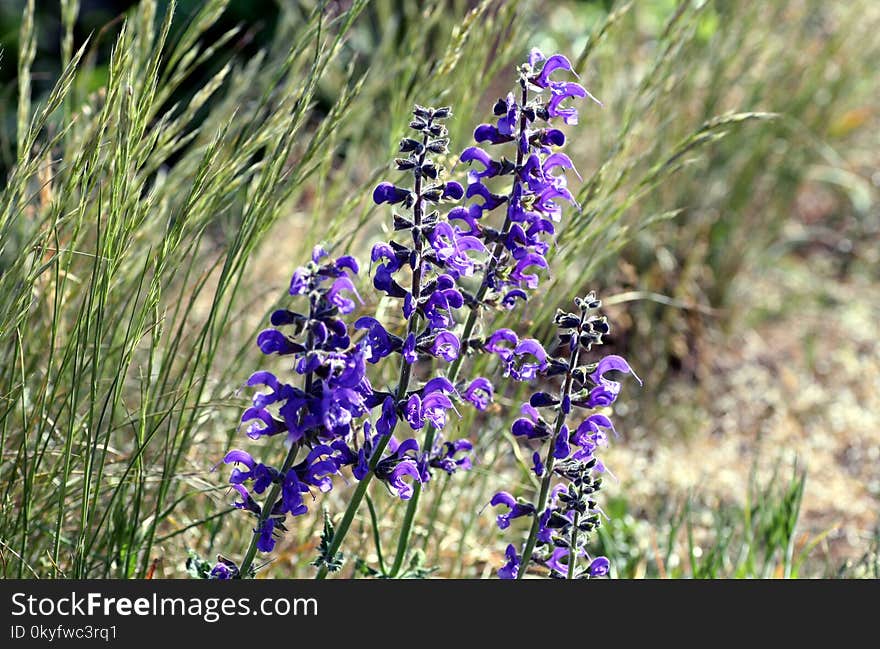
(450,270)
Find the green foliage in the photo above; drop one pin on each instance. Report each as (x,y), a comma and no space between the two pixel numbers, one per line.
(129,222)
(754,540)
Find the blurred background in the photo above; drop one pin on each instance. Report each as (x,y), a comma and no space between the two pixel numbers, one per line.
(729,219)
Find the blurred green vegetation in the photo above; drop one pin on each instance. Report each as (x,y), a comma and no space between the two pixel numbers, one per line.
(165,179)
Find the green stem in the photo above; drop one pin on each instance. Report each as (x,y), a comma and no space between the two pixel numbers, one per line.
(268,504)
(377,538)
(452,373)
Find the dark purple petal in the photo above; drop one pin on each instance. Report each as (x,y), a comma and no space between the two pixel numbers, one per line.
(537,464)
(510,298)
(523,428)
(491,134)
(265,540)
(552,137)
(562,449)
(409,349)
(272,341)
(453,190)
(388,193)
(388,419)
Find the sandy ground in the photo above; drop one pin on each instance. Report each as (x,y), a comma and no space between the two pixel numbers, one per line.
(799,378)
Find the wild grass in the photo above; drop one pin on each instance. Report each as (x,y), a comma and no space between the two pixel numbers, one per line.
(148,227)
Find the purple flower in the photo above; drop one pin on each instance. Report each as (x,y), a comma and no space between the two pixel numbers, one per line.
(453,190)
(399,464)
(502,343)
(491,134)
(224,569)
(262,475)
(609,364)
(510,570)
(272,341)
(452,456)
(479,392)
(555,62)
(599,567)
(446,346)
(388,193)
(403,489)
(431,409)
(337,299)
(517,508)
(532,426)
(379,342)
(525,369)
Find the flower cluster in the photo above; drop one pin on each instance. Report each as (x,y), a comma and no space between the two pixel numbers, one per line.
(564,514)
(444,266)
(435,257)
(317,418)
(533,204)
(337,419)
